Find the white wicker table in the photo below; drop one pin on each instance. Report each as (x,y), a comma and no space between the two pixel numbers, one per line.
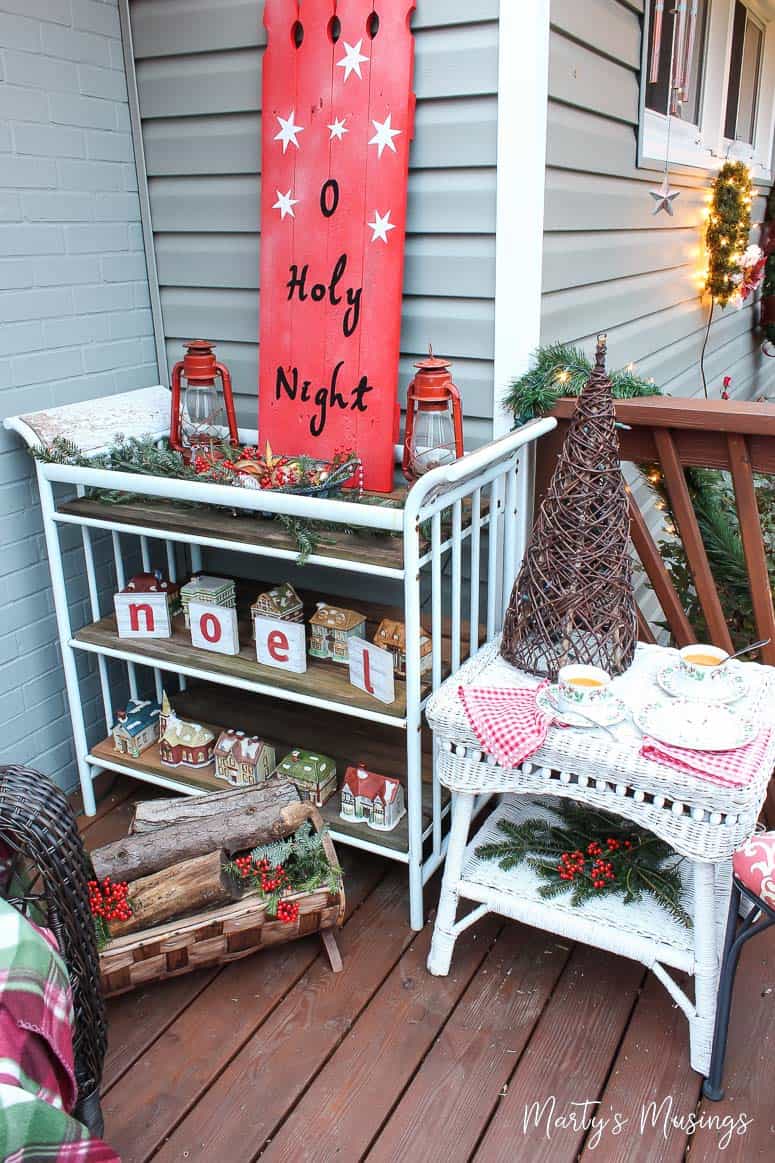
(702,821)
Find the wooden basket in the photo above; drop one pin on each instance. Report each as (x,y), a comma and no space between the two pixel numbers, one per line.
(219,935)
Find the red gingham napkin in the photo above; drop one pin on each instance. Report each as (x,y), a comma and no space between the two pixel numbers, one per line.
(730,768)
(506,721)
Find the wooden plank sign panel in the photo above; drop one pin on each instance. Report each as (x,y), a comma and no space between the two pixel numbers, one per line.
(338,115)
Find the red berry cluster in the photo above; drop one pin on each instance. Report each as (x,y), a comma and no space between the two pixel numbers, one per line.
(244,866)
(108,899)
(287,911)
(571,865)
(601,872)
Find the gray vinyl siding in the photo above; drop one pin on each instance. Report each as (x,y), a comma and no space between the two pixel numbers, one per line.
(198,69)
(609,264)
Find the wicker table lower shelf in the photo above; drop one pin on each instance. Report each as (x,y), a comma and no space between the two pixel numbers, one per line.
(642,930)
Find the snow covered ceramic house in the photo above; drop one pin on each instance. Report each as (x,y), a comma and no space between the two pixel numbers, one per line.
(391,635)
(183,743)
(280,602)
(136,727)
(155,583)
(313,774)
(376,800)
(218,591)
(331,626)
(242,759)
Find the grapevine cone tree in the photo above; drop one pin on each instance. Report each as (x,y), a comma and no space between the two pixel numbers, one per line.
(573,599)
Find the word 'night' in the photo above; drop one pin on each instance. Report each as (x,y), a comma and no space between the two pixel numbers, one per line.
(325,397)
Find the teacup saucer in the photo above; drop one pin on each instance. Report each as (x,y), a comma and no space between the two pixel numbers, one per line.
(730,685)
(606,710)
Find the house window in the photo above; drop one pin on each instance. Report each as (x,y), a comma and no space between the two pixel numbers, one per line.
(716,100)
(744,75)
(675,57)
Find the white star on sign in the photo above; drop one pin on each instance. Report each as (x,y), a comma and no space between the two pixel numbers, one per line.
(384,135)
(337,130)
(285,204)
(663,197)
(288,130)
(352,59)
(380,226)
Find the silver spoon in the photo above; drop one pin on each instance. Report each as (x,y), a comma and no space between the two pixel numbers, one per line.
(745,650)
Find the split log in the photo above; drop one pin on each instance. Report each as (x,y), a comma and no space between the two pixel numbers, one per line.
(235,830)
(186,887)
(152,814)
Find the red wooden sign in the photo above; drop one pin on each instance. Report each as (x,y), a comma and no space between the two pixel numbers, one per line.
(337,119)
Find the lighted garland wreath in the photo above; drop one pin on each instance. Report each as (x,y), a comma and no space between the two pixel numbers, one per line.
(726,235)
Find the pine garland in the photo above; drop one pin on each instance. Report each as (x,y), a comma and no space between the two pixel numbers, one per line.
(768,286)
(147,457)
(559,369)
(592,854)
(729,225)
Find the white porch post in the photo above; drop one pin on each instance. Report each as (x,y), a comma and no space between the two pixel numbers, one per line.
(523,91)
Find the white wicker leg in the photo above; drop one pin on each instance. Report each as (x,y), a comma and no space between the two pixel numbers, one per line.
(443,943)
(723,891)
(706,967)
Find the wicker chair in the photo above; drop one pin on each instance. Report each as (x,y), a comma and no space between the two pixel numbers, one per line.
(37,824)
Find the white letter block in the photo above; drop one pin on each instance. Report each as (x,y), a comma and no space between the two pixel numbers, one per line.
(142,615)
(213,627)
(281,644)
(371,669)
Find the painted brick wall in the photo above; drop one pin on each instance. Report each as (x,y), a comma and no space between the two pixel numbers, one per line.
(75,320)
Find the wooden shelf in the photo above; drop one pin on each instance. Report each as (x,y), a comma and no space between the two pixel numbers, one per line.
(384,550)
(322,684)
(350,741)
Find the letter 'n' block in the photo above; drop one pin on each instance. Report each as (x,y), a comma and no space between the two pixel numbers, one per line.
(281,644)
(142,615)
(214,627)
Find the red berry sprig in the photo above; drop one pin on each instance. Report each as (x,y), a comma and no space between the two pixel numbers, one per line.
(287,911)
(109,899)
(571,865)
(602,871)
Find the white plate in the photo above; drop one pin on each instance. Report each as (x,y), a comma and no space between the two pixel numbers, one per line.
(606,711)
(731,686)
(684,723)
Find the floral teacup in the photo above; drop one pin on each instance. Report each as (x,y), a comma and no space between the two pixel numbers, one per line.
(581,686)
(700,662)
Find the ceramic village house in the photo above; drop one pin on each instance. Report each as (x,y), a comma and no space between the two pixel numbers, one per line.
(218,591)
(136,727)
(182,743)
(242,759)
(313,774)
(377,800)
(331,627)
(280,602)
(391,635)
(155,583)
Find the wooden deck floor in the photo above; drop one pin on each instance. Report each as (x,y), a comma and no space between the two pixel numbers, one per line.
(276,1058)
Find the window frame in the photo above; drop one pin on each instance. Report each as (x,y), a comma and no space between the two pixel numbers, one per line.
(704,146)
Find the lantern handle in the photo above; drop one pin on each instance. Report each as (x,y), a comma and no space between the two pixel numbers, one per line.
(228,399)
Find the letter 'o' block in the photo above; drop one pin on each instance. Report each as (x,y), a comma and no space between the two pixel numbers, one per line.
(281,644)
(142,615)
(371,669)
(214,627)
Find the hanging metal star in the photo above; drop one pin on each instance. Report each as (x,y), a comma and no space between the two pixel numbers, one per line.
(663,197)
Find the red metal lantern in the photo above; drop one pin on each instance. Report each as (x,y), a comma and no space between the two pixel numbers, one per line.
(196,421)
(434,418)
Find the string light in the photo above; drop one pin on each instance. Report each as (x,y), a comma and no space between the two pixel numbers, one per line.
(563,376)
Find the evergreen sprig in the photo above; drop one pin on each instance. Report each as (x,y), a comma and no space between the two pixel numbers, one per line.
(568,856)
(768,286)
(303,859)
(559,369)
(729,225)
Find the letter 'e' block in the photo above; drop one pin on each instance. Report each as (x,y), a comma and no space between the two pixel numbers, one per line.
(281,644)
(371,669)
(214,627)
(142,615)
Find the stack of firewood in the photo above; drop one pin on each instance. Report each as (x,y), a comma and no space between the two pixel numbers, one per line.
(174,857)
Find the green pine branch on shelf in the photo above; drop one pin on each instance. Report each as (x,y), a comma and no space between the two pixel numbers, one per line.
(590,853)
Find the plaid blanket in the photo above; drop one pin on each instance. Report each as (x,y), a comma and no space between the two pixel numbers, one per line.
(37,1076)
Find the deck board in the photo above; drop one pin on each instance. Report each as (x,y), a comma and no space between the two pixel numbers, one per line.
(383,1062)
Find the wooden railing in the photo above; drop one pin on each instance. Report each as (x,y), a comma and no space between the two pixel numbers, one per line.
(674,434)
